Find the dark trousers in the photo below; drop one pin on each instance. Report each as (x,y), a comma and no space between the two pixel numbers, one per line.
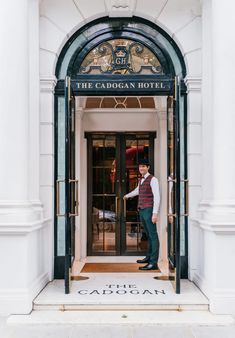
(151,230)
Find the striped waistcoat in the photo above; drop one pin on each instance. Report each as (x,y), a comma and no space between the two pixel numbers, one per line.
(145,194)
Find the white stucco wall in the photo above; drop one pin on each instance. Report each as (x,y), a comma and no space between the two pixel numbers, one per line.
(181,20)
(27,182)
(59,19)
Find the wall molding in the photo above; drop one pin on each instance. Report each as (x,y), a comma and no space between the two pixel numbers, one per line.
(23,228)
(217,203)
(193,83)
(123,8)
(216,227)
(47,84)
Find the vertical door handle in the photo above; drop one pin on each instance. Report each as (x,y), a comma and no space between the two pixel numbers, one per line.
(173,180)
(116,205)
(124,204)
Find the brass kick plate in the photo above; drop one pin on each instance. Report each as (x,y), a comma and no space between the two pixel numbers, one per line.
(164,278)
(78,278)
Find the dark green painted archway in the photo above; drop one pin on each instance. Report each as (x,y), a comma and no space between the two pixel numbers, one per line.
(69,61)
(135,28)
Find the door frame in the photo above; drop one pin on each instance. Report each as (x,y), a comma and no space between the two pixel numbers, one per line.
(138,29)
(152,136)
(59,260)
(120,233)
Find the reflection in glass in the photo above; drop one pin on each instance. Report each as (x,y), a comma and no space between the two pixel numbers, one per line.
(171,212)
(116,227)
(171,181)
(98,180)
(61,176)
(104,198)
(136,238)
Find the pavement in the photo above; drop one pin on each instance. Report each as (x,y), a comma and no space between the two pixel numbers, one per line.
(123,326)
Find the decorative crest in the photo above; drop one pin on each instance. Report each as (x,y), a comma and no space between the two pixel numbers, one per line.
(121,56)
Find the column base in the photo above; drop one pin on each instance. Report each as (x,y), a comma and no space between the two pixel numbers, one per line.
(20,300)
(26,255)
(222,301)
(214,255)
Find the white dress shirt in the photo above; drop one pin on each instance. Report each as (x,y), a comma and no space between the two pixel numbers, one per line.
(155,190)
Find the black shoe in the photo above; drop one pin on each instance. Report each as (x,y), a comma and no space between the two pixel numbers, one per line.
(149,266)
(132,234)
(144,260)
(144,237)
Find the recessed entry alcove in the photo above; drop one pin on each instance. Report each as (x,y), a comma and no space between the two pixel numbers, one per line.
(119,97)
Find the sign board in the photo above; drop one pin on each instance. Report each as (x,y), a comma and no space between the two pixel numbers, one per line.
(93,85)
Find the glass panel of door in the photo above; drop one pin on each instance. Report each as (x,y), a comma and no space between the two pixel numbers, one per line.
(114,227)
(104,199)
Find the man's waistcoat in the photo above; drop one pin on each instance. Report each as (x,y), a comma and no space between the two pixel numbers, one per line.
(145,194)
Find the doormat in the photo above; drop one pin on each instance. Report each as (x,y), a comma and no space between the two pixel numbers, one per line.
(114,267)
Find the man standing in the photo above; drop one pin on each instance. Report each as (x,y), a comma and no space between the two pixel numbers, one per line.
(148,206)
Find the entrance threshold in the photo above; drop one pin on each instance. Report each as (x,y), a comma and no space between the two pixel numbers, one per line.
(120,291)
(78,266)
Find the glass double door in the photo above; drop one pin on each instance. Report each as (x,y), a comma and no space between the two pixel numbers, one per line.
(114,227)
(177,186)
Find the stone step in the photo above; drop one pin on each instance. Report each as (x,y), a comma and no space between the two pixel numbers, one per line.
(121,292)
(121,317)
(120,307)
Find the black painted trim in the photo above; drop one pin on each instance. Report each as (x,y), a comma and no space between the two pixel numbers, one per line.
(56,264)
(59,260)
(184,259)
(120,146)
(59,264)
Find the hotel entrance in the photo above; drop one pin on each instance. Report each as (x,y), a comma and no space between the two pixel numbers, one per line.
(113,224)
(122,65)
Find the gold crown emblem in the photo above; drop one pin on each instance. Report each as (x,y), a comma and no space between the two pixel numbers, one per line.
(120,53)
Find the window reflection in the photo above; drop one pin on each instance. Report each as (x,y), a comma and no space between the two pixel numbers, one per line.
(136,238)
(103,190)
(110,222)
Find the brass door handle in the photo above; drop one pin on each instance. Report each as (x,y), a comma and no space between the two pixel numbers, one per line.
(116,205)
(172,215)
(124,204)
(58,213)
(173,180)
(170,179)
(71,214)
